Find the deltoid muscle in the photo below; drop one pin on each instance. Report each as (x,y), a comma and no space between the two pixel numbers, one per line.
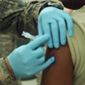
(61,72)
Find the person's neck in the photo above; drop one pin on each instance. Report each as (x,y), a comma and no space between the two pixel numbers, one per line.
(68,10)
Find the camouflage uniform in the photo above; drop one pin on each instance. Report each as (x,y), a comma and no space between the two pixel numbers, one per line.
(7,44)
(15,17)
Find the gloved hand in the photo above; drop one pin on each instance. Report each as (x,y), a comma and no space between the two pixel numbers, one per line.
(55,22)
(29,59)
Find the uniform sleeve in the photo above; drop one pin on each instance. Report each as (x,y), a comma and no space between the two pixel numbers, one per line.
(5,77)
(15,17)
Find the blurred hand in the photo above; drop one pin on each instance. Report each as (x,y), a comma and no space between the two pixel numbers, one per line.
(29,59)
(55,22)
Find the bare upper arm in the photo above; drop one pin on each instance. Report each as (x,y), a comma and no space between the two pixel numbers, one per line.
(61,72)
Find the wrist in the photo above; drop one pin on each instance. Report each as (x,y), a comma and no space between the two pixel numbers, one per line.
(9,68)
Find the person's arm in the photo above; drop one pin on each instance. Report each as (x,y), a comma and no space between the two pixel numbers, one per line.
(24,61)
(5,77)
(61,72)
(15,17)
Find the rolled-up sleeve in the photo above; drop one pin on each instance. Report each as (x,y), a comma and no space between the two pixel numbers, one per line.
(15,18)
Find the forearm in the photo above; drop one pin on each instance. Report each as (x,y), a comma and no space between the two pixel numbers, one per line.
(61,72)
(5,77)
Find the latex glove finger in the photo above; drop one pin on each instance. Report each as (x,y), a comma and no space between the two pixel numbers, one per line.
(46,29)
(41,60)
(40,27)
(55,33)
(68,20)
(38,41)
(39,51)
(46,64)
(69,25)
(62,30)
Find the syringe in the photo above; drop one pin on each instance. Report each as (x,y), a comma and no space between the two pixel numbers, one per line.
(28,35)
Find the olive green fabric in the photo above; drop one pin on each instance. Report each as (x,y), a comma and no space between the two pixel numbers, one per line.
(7,44)
(77,46)
(16,16)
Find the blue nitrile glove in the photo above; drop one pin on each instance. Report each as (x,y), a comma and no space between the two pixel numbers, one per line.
(29,59)
(54,22)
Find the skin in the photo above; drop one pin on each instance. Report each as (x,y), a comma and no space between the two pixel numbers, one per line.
(68,10)
(61,72)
